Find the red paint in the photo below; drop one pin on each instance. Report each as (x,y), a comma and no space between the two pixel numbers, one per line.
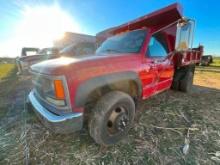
(155,76)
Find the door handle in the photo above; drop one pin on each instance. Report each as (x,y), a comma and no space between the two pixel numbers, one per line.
(158,61)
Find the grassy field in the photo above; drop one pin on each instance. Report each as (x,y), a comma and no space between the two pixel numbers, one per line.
(8,81)
(216,61)
(5,70)
(213,67)
(163,124)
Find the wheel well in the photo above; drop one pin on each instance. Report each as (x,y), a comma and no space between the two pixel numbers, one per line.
(129,86)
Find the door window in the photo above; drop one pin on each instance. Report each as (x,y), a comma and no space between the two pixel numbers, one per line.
(157,47)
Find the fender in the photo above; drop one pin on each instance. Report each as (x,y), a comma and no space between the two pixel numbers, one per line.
(90,85)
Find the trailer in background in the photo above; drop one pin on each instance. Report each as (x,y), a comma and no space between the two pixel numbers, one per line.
(70,38)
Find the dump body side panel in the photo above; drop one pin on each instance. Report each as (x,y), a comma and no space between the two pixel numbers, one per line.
(188,57)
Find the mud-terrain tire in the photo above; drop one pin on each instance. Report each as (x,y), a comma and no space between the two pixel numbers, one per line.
(111,118)
(187,81)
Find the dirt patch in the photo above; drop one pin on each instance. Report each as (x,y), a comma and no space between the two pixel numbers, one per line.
(157,137)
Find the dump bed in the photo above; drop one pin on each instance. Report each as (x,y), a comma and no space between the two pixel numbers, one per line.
(159,20)
(188,57)
(153,21)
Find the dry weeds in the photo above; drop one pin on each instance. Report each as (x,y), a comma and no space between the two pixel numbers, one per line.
(162,125)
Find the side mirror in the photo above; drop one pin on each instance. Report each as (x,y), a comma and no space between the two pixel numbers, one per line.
(184,34)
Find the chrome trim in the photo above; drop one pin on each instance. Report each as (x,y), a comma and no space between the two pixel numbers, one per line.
(47,114)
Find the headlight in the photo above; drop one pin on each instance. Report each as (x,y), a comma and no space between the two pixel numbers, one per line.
(55,92)
(51,89)
(56,102)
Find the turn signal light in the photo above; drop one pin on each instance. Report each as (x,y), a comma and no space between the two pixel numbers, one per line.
(59,89)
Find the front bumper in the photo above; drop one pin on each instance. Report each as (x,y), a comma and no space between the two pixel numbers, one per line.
(57,123)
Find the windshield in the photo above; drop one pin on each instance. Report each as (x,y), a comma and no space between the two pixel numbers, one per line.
(129,42)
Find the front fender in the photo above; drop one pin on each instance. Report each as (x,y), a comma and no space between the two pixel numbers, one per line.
(90,85)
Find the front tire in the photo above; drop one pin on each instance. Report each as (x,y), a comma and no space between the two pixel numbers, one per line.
(112,117)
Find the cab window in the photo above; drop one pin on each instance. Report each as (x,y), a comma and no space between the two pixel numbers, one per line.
(157,46)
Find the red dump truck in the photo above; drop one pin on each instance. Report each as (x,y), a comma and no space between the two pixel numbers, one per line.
(136,60)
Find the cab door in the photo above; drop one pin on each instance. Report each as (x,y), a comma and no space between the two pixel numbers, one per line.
(148,75)
(157,52)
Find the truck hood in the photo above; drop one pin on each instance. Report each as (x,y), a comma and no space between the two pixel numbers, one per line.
(58,65)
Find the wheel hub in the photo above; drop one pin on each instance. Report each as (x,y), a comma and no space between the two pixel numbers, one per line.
(118,120)
(121,122)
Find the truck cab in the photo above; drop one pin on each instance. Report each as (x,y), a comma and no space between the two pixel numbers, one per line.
(136,60)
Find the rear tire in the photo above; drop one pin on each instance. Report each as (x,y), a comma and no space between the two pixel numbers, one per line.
(187,80)
(111,118)
(176,80)
(183,78)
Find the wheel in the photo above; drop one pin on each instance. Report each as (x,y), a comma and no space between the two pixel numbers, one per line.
(175,85)
(176,79)
(111,118)
(187,81)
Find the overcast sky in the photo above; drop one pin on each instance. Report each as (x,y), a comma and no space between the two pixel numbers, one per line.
(37,23)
